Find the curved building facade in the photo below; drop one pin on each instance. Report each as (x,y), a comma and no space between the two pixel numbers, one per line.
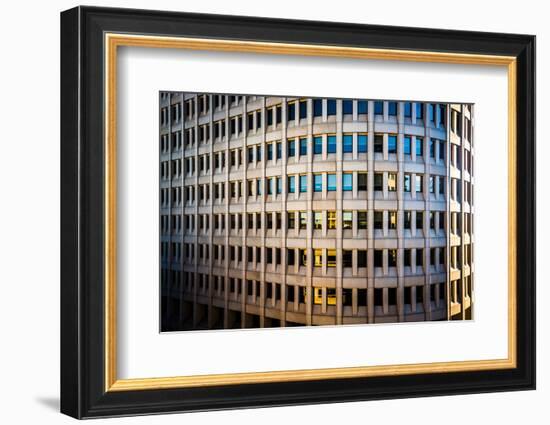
(303,211)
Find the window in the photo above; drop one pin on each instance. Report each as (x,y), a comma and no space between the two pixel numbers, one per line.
(407,183)
(392,257)
(419,220)
(361,258)
(270,117)
(362,219)
(419,146)
(408,109)
(407,258)
(431,112)
(362,142)
(250,154)
(378,181)
(258,153)
(290,257)
(418,183)
(291,147)
(348,143)
(362,107)
(362,181)
(419,259)
(279,150)
(392,220)
(419,111)
(291,184)
(331,107)
(270,152)
(331,258)
(378,143)
(347,106)
(442,185)
(279,114)
(331,182)
(392,108)
(432,184)
(318,145)
(303,147)
(347,182)
(407,145)
(378,262)
(392,182)
(317,220)
(378,108)
(331,144)
(303,183)
(392,143)
(432,148)
(303,257)
(317,182)
(331,220)
(407,219)
(346,258)
(432,220)
(317,107)
(347,219)
(291,111)
(303,220)
(303,109)
(378,216)
(317,258)
(291,220)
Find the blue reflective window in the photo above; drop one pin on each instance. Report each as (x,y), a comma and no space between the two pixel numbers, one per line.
(331,107)
(378,108)
(419,146)
(392,143)
(392,108)
(408,109)
(317,107)
(407,145)
(317,145)
(291,147)
(331,144)
(348,143)
(303,109)
(291,111)
(362,107)
(347,106)
(291,184)
(362,142)
(347,182)
(279,185)
(279,150)
(419,111)
(318,182)
(331,182)
(303,147)
(303,183)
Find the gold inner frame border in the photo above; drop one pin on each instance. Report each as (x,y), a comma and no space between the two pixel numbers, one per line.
(113,40)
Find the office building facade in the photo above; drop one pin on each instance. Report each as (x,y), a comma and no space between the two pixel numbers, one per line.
(311,211)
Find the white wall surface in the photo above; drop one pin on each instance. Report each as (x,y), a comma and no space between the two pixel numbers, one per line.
(29,213)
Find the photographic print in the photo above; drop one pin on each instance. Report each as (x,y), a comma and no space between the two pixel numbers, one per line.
(294,211)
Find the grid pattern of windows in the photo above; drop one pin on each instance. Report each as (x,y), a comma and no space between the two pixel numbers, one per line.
(316,224)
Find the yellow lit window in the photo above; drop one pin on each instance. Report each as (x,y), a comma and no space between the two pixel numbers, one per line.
(318,257)
(317,220)
(331,258)
(331,219)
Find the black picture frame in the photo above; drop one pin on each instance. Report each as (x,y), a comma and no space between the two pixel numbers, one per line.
(83,392)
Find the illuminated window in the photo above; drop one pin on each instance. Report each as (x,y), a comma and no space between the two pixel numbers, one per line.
(392,219)
(331,258)
(392,182)
(347,219)
(392,258)
(418,183)
(317,220)
(331,220)
(407,183)
(317,258)
(303,220)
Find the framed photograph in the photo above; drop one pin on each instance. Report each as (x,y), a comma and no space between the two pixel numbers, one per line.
(261,212)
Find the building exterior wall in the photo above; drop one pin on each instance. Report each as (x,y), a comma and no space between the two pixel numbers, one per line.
(368,235)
